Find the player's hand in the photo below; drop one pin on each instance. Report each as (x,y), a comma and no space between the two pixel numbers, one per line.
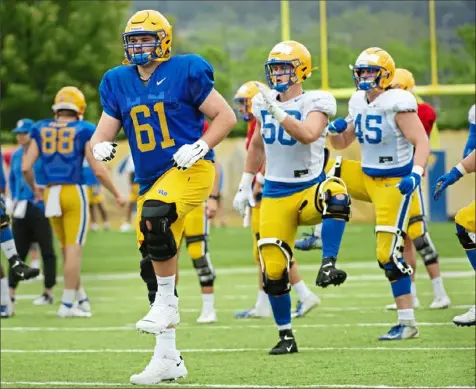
(120,200)
(39,193)
(271,104)
(244,196)
(411,181)
(337,126)
(187,155)
(446,180)
(104,151)
(212,207)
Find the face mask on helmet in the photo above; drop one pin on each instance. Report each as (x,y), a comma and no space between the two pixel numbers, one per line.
(243,108)
(280,75)
(367,77)
(142,47)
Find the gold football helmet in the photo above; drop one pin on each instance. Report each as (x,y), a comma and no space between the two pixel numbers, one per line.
(296,61)
(403,79)
(243,98)
(374,68)
(147,22)
(71,98)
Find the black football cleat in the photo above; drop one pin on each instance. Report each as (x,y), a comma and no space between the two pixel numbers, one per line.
(286,345)
(329,275)
(21,271)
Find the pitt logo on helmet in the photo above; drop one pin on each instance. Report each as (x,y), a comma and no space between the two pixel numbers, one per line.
(243,98)
(70,98)
(374,68)
(138,49)
(288,58)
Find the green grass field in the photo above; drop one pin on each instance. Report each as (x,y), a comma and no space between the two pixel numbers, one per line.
(338,340)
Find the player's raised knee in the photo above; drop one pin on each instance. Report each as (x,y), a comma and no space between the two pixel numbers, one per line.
(335,201)
(156,220)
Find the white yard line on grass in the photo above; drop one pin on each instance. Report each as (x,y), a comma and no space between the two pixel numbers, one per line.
(232,350)
(227,386)
(239,325)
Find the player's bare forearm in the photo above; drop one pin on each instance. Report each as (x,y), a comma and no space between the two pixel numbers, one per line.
(222,117)
(216,183)
(412,128)
(307,131)
(106,130)
(469,163)
(256,155)
(29,158)
(101,172)
(344,140)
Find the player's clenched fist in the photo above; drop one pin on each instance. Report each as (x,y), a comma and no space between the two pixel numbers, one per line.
(187,155)
(104,151)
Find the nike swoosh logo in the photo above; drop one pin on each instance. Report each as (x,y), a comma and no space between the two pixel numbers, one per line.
(327,272)
(289,348)
(161,81)
(287,338)
(178,364)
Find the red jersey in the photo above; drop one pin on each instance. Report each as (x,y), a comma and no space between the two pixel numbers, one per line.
(249,134)
(427,115)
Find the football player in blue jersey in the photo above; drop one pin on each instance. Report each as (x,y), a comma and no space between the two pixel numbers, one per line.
(63,143)
(18,268)
(160,101)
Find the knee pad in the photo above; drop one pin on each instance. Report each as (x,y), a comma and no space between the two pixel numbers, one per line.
(4,221)
(159,241)
(205,271)
(396,255)
(333,205)
(281,286)
(147,274)
(426,249)
(466,239)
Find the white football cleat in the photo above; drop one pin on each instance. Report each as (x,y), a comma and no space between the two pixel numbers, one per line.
(466,319)
(306,306)
(393,307)
(165,368)
(163,313)
(94,227)
(440,302)
(74,311)
(106,226)
(125,227)
(44,299)
(7,309)
(207,317)
(255,312)
(35,263)
(85,306)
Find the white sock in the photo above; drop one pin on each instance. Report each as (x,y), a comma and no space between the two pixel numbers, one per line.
(4,295)
(413,290)
(318,230)
(9,248)
(438,287)
(406,316)
(284,327)
(262,301)
(302,290)
(166,285)
(165,341)
(208,301)
(81,294)
(68,297)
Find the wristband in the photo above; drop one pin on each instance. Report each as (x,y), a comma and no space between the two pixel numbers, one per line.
(279,114)
(259,178)
(461,168)
(418,170)
(214,197)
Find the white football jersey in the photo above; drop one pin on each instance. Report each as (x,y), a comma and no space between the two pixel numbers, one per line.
(385,150)
(287,160)
(472,114)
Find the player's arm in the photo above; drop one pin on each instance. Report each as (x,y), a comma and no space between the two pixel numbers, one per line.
(222,117)
(256,155)
(106,130)
(102,174)
(212,201)
(344,139)
(31,155)
(469,163)
(412,128)
(306,131)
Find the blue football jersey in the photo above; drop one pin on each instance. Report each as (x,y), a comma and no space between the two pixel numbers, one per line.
(89,178)
(62,149)
(160,117)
